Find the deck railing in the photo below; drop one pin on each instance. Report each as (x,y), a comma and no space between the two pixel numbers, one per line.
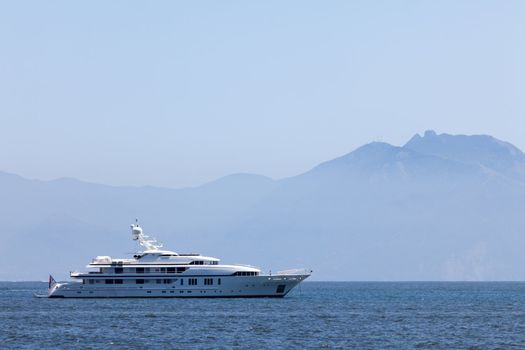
(294,272)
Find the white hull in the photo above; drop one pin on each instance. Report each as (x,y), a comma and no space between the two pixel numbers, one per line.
(231,286)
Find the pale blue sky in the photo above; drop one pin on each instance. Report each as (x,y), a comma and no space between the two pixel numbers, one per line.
(172,93)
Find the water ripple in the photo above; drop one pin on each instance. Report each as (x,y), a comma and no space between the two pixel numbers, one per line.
(322,315)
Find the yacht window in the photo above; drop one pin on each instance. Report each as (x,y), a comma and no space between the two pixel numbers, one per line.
(139,270)
(162,269)
(181,269)
(119,269)
(159,281)
(118,281)
(139,281)
(171,270)
(91,281)
(181,282)
(219,281)
(246,273)
(192,281)
(167,281)
(109,281)
(208,281)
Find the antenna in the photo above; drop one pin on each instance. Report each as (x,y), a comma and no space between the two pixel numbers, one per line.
(144,240)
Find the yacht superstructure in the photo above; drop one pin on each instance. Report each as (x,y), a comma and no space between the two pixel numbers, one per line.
(155,272)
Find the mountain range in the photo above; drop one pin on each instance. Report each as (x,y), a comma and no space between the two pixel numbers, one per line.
(440,207)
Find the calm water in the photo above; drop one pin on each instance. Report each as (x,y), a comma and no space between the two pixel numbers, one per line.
(316,315)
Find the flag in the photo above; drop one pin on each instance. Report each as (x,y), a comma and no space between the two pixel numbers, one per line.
(52,282)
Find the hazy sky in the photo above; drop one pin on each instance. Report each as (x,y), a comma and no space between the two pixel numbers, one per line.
(179,93)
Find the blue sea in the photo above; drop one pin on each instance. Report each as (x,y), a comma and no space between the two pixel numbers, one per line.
(316,315)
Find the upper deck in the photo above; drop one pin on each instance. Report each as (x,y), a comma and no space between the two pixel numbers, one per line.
(155,261)
(156,258)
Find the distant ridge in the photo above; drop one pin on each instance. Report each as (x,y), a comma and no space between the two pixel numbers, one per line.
(484,150)
(440,207)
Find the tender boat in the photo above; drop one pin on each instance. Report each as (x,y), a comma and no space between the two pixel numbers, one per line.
(154,273)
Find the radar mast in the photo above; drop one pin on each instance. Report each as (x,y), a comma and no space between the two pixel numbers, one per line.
(146,241)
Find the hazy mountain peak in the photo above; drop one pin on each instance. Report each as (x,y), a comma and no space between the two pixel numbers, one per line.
(483,150)
(371,152)
(374,146)
(5,175)
(430,133)
(367,159)
(417,138)
(373,149)
(432,143)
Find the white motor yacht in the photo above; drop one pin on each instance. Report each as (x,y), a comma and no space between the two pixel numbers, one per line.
(154,273)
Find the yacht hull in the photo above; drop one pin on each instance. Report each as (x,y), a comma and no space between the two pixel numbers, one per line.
(231,287)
